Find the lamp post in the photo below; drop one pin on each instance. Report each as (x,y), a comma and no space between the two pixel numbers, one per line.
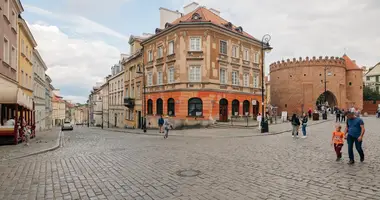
(324,115)
(264,47)
(144,88)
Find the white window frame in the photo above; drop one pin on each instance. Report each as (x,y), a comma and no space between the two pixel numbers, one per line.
(7,6)
(14,19)
(223,76)
(171,48)
(13,61)
(193,76)
(235,77)
(221,49)
(6,49)
(256,80)
(171,73)
(257,58)
(138,91)
(150,79)
(235,51)
(246,79)
(160,78)
(197,45)
(246,54)
(160,52)
(127,92)
(150,56)
(133,92)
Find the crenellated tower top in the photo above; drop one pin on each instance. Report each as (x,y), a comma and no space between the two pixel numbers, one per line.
(303,62)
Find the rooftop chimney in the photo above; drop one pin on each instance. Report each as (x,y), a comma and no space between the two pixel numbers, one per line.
(217,12)
(189,8)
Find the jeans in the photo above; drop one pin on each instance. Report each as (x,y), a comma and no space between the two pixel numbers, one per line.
(167,133)
(343,119)
(304,129)
(337,118)
(350,141)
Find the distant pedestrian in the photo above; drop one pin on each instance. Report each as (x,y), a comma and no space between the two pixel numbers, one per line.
(304,125)
(337,115)
(378,112)
(343,116)
(309,112)
(160,124)
(259,119)
(167,126)
(295,121)
(354,134)
(338,140)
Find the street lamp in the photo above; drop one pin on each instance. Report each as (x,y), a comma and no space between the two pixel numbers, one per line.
(144,88)
(264,47)
(324,115)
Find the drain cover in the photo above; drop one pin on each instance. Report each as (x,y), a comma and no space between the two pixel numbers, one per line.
(188,173)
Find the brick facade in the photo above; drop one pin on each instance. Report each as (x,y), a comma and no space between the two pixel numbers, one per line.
(297,84)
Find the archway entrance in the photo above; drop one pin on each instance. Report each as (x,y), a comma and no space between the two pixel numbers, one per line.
(223,110)
(255,108)
(326,99)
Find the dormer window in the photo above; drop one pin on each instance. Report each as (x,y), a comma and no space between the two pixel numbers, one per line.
(196,16)
(158,30)
(228,25)
(167,25)
(239,29)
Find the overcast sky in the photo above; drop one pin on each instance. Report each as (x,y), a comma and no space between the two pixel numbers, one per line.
(81,39)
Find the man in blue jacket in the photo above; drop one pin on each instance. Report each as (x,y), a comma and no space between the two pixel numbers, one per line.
(354,134)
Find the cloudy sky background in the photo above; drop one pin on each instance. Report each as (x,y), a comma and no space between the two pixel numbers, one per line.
(81,39)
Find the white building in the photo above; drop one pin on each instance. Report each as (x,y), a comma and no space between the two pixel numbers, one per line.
(116,96)
(372,78)
(39,90)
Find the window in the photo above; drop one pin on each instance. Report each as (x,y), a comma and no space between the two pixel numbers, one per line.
(6,8)
(255,80)
(377,89)
(27,51)
(159,78)
(377,79)
(159,52)
(235,107)
(235,78)
(159,107)
(368,78)
(13,57)
(150,107)
(257,58)
(150,56)
(246,79)
(133,92)
(14,20)
(150,81)
(26,79)
(195,43)
(171,75)
(246,107)
(171,48)
(22,77)
(171,107)
(138,91)
(246,55)
(223,76)
(132,49)
(30,81)
(223,47)
(6,50)
(235,51)
(195,107)
(195,73)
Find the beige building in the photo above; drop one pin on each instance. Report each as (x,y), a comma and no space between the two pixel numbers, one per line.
(48,102)
(133,74)
(80,114)
(115,96)
(96,103)
(59,108)
(39,90)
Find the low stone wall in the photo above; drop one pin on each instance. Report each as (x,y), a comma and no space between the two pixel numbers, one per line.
(370,107)
(152,122)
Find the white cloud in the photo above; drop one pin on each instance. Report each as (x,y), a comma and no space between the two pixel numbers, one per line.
(73,64)
(309,28)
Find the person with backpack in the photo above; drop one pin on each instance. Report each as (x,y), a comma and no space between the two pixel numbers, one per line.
(160,124)
(295,121)
(167,126)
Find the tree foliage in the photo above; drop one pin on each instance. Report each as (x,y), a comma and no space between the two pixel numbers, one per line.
(370,94)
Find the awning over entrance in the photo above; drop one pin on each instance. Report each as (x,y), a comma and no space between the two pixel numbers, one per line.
(15,96)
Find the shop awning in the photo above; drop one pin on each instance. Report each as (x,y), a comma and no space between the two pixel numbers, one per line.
(15,96)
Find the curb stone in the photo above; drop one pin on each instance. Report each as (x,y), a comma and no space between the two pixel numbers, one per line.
(241,136)
(59,143)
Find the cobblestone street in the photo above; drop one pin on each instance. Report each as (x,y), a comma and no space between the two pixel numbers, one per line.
(101,164)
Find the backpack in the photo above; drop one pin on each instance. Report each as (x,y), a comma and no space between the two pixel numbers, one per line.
(161,121)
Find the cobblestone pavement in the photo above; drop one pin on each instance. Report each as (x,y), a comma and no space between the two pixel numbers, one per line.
(96,164)
(43,140)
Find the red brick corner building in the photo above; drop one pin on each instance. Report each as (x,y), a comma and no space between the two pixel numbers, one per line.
(296,85)
(201,68)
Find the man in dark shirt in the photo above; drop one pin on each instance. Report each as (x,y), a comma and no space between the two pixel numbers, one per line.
(354,134)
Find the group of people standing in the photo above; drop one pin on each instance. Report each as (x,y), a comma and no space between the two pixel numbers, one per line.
(296,123)
(340,115)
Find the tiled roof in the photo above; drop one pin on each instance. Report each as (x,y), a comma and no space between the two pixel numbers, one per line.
(208,16)
(57,98)
(350,65)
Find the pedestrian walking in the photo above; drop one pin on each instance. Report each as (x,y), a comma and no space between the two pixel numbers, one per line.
(259,119)
(378,112)
(354,134)
(167,126)
(309,112)
(304,125)
(343,116)
(295,121)
(337,141)
(160,124)
(337,115)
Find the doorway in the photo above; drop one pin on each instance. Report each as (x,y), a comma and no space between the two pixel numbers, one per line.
(139,122)
(223,110)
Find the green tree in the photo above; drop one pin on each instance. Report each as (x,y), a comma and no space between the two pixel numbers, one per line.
(370,94)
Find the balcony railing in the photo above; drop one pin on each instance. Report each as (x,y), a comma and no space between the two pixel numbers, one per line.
(129,102)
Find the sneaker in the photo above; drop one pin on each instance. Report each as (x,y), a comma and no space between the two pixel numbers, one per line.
(293,136)
(351,162)
(297,136)
(337,159)
(304,136)
(362,159)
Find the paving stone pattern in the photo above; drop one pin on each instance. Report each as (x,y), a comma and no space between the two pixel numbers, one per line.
(101,164)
